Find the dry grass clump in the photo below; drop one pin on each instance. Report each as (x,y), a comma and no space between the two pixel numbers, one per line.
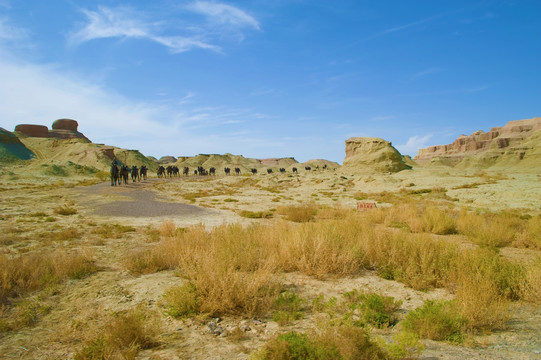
(532,286)
(484,283)
(417,218)
(333,213)
(26,273)
(123,336)
(65,210)
(491,229)
(405,216)
(112,231)
(300,213)
(437,221)
(256,214)
(145,262)
(167,228)
(530,236)
(67,234)
(224,266)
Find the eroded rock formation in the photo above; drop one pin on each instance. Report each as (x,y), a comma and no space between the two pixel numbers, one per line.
(507,141)
(65,124)
(32,130)
(61,129)
(370,153)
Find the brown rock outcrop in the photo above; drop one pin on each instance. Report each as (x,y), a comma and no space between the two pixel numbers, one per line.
(498,138)
(65,124)
(62,129)
(369,153)
(32,130)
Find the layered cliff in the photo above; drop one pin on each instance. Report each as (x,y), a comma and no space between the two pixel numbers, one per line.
(515,144)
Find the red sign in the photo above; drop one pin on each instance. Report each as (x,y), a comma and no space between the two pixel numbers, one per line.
(362,205)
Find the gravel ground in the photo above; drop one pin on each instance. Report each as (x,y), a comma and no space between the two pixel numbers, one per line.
(136,200)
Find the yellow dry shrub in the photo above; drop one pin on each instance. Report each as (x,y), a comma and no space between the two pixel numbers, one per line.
(26,273)
(405,216)
(300,213)
(226,266)
(437,221)
(532,286)
(530,236)
(316,249)
(487,230)
(484,284)
(167,228)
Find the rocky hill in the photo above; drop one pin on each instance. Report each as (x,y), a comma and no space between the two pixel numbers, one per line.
(515,145)
(64,146)
(12,149)
(370,154)
(233,161)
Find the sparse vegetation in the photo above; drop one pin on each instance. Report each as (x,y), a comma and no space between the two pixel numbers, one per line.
(235,276)
(65,210)
(123,336)
(26,273)
(343,342)
(288,307)
(300,213)
(436,320)
(256,214)
(112,231)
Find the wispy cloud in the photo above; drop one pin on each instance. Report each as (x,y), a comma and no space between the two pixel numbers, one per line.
(404,26)
(186,99)
(123,22)
(9,32)
(224,14)
(425,72)
(414,143)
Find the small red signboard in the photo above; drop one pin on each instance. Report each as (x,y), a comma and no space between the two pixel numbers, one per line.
(363,205)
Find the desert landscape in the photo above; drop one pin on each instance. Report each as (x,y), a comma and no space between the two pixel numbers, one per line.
(381,257)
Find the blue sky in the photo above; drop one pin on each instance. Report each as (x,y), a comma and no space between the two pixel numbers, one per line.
(270,78)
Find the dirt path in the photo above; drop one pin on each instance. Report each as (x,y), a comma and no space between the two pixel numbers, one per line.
(138,203)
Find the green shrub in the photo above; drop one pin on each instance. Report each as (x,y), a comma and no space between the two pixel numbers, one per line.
(332,343)
(288,307)
(436,320)
(256,214)
(373,309)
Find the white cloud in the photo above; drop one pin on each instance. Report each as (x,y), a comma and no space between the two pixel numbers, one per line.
(123,22)
(224,14)
(40,94)
(11,33)
(414,143)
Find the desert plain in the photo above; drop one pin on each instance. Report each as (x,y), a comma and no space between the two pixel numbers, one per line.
(429,262)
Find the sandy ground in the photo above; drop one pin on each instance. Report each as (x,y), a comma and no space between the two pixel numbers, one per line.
(147,204)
